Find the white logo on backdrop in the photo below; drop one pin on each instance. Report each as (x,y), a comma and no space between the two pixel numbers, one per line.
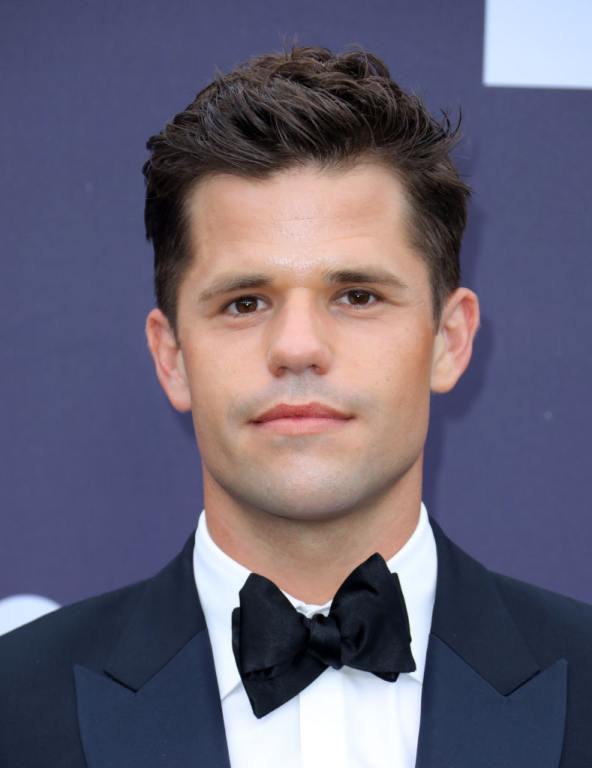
(538,43)
(17,610)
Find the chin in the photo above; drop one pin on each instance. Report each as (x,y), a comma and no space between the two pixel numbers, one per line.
(293,503)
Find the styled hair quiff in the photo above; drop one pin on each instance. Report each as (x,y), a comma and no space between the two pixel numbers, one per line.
(306,105)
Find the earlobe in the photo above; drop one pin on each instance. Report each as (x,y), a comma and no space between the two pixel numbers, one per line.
(168,360)
(453,345)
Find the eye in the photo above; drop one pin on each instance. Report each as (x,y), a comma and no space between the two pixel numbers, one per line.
(243,305)
(361,297)
(248,305)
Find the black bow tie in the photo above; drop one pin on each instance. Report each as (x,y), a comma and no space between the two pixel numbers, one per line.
(279,651)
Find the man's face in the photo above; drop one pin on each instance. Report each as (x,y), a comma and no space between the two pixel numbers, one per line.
(307,329)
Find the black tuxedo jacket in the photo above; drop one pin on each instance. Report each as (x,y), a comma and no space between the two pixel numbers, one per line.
(127,680)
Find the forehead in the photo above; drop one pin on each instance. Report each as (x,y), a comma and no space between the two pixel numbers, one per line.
(299,222)
(298,203)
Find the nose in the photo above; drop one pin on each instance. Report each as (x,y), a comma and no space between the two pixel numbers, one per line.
(298,337)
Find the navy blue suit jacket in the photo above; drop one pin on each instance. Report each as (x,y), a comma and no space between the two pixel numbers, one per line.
(127,680)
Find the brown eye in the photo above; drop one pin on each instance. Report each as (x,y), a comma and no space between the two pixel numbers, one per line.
(358,297)
(244,305)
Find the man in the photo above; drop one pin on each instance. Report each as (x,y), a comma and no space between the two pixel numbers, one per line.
(307,219)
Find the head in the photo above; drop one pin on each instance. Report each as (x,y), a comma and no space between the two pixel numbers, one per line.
(306,219)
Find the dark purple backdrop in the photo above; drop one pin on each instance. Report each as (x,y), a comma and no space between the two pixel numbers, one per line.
(100,477)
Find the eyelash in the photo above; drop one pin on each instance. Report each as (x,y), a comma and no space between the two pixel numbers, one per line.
(376,297)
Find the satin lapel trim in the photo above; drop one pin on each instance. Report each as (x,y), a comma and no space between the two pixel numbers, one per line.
(472,619)
(175,719)
(466,723)
(167,616)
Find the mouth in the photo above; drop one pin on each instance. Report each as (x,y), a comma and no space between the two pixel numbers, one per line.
(309,418)
(300,425)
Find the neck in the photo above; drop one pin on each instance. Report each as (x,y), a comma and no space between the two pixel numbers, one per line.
(310,559)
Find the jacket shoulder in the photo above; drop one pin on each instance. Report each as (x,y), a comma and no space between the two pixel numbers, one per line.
(71,624)
(558,627)
(38,699)
(497,621)
(39,652)
(552,624)
(38,709)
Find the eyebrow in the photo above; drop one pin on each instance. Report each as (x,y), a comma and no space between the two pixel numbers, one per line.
(240,282)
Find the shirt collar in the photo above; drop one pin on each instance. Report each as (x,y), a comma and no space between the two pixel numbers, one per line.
(219,579)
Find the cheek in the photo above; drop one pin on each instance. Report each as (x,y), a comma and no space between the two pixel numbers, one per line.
(220,377)
(405,368)
(211,366)
(209,379)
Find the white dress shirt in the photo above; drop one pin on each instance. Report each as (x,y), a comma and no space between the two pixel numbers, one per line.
(346,718)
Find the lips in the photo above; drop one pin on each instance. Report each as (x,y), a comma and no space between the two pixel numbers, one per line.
(307,411)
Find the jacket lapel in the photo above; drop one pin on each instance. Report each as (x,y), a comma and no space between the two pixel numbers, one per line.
(485,700)
(157,702)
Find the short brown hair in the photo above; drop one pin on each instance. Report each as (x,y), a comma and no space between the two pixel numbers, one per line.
(306,105)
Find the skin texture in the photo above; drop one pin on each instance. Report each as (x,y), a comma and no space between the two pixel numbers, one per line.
(305,509)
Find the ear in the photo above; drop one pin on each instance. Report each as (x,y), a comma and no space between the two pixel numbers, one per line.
(168,360)
(454,341)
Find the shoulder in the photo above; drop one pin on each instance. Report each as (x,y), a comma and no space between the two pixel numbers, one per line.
(558,627)
(498,622)
(85,632)
(552,624)
(37,659)
(38,709)
(82,629)
(38,697)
